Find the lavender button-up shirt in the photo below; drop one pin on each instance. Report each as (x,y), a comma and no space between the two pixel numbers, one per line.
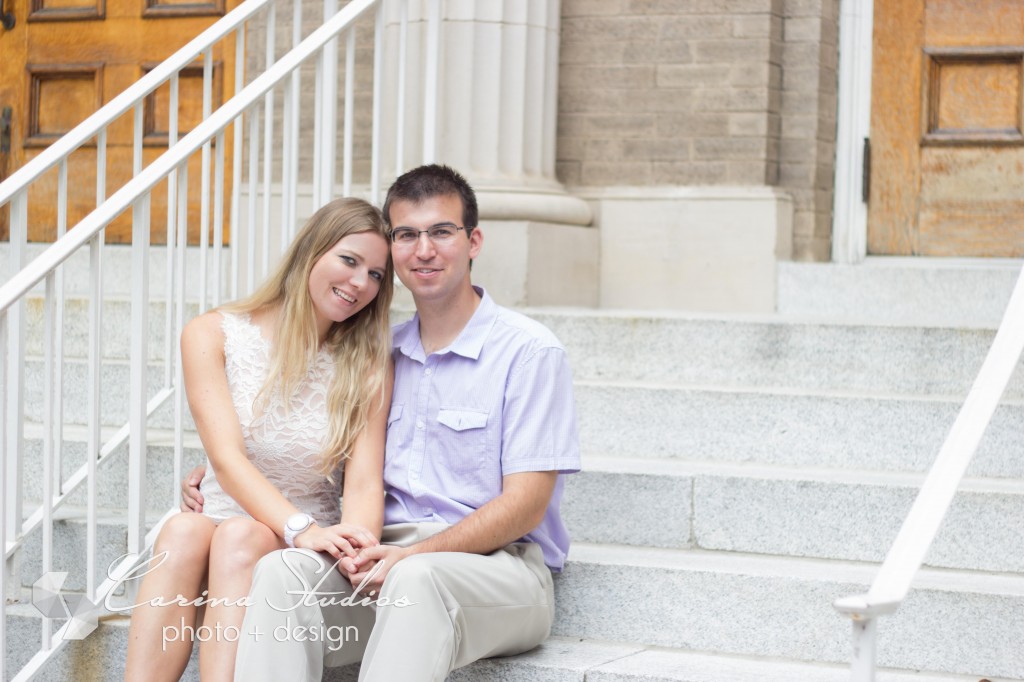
(497,401)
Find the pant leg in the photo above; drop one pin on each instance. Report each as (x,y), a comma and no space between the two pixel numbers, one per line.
(466,607)
(288,637)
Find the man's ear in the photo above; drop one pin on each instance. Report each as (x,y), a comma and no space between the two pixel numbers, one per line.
(476,241)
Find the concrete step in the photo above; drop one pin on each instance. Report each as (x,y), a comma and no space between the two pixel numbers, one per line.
(69,546)
(162,490)
(795,428)
(116,328)
(99,658)
(745,352)
(849,515)
(117,267)
(114,394)
(968,623)
(935,291)
(690,350)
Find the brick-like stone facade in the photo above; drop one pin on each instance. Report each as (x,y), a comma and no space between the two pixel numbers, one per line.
(362,112)
(666,92)
(703,92)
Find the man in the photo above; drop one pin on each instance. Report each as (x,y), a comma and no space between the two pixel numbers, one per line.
(481,425)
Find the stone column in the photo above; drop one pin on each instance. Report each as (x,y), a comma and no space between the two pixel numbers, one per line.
(496,113)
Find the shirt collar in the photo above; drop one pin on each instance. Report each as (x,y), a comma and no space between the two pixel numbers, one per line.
(468,343)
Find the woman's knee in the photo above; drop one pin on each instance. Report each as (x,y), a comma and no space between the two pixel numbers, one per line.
(240,542)
(185,538)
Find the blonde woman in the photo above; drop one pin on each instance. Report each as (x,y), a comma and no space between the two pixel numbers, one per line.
(285,387)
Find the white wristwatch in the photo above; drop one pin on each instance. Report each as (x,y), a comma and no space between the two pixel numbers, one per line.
(296,524)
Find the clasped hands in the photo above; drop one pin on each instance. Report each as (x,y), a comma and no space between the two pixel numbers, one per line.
(355,548)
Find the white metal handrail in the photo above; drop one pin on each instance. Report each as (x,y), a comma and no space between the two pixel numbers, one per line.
(243,112)
(916,535)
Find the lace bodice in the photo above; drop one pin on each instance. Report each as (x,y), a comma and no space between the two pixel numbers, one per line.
(283,443)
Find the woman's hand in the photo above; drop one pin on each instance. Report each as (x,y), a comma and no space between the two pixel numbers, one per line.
(340,540)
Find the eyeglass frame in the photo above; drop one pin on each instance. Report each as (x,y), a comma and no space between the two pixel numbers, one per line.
(426,232)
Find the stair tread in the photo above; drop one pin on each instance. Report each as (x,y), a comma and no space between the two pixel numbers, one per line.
(760,565)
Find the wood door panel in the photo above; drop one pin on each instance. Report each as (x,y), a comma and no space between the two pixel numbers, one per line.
(947,129)
(60,97)
(895,126)
(56,70)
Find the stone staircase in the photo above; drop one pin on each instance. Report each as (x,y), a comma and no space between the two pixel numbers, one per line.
(740,475)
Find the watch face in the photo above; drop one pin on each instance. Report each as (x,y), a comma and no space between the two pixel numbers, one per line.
(298,521)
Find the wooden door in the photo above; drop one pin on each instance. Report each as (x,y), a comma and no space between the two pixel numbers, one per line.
(947,136)
(63,59)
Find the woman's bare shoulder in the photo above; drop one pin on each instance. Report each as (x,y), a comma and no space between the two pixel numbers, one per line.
(204,332)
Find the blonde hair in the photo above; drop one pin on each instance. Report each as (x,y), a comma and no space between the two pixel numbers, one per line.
(360,345)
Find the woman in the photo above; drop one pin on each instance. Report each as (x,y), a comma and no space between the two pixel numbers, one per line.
(284,387)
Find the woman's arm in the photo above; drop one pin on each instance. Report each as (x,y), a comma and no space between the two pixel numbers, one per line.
(209,399)
(363,494)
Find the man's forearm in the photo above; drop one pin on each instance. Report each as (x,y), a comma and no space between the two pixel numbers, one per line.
(515,512)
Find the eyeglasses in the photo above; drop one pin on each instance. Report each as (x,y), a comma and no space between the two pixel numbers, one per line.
(438,234)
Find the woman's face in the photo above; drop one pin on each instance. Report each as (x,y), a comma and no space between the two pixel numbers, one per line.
(347,277)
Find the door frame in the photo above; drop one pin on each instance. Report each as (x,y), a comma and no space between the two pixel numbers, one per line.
(850,211)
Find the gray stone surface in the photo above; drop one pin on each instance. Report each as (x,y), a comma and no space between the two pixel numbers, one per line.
(659,665)
(855,520)
(951,622)
(651,509)
(786,428)
(691,350)
(932,291)
(116,268)
(114,394)
(112,474)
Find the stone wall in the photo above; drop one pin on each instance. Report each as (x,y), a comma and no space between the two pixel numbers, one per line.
(671,93)
(703,92)
(362,91)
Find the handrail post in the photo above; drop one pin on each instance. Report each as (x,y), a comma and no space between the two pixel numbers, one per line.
(329,101)
(15,390)
(865,638)
(137,374)
(3,487)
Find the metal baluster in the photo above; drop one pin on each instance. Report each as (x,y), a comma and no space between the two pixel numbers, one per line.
(268,145)
(137,374)
(172,204)
(95,367)
(378,68)
(204,183)
(350,81)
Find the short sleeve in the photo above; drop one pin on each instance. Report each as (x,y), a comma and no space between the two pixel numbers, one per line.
(539,430)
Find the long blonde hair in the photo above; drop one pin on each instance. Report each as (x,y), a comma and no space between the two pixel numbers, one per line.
(360,345)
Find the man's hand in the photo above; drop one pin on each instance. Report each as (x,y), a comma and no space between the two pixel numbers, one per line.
(341,541)
(368,558)
(191,499)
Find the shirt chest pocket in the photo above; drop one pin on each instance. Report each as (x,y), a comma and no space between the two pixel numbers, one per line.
(462,436)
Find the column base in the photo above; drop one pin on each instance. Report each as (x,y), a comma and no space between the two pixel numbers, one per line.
(711,249)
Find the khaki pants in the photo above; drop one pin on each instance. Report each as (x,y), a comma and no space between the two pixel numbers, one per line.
(462,607)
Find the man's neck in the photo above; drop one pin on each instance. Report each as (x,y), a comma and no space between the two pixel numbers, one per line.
(441,322)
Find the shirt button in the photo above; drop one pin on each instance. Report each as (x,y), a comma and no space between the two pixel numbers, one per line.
(420,424)
(428,371)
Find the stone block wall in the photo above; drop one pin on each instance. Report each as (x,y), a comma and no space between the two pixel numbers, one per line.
(703,92)
(312,17)
(809,104)
(670,93)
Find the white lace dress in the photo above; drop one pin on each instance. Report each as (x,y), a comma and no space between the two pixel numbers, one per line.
(284,444)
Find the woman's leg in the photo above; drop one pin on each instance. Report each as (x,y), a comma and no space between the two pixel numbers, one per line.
(237,545)
(159,642)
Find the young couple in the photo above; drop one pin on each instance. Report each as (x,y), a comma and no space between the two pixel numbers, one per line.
(451,522)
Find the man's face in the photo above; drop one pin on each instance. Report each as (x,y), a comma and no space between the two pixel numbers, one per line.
(432,271)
